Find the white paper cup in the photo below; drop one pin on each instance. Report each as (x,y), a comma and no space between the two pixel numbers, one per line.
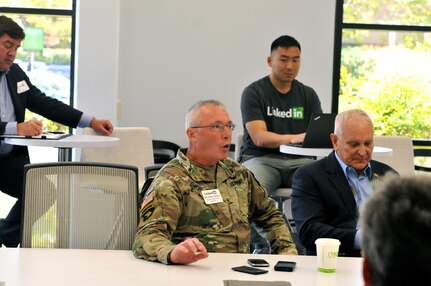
(327,254)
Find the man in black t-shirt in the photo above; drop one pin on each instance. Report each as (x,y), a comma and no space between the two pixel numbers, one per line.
(276,110)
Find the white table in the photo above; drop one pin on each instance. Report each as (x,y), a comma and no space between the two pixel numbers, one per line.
(48,267)
(323,152)
(66,144)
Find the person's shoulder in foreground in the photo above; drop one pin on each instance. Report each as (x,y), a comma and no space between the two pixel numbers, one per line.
(396,223)
(202,202)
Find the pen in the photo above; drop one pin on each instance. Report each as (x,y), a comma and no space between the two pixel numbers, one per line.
(53,132)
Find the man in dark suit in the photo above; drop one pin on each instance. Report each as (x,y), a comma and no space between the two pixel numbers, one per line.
(16,95)
(327,194)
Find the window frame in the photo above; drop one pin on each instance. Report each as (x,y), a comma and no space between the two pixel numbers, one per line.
(54,12)
(339,27)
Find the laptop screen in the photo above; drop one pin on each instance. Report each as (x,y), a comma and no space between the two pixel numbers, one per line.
(321,125)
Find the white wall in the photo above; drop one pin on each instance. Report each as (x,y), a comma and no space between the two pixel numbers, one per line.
(97,62)
(173,53)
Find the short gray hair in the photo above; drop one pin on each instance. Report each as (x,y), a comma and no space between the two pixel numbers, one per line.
(198,105)
(344,116)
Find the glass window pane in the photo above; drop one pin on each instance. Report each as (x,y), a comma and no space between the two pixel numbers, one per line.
(45,56)
(47,4)
(402,12)
(388,74)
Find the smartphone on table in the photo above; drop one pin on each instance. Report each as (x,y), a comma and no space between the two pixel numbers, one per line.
(249,270)
(288,266)
(258,262)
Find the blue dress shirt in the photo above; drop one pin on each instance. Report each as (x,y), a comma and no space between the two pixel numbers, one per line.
(361,187)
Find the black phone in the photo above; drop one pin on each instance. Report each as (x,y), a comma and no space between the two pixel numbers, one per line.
(288,266)
(258,262)
(249,270)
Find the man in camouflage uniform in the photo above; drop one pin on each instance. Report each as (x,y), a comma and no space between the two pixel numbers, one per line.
(202,201)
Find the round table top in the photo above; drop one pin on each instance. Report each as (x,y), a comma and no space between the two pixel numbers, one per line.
(323,152)
(79,141)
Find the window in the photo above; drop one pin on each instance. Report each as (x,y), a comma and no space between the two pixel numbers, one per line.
(39,4)
(47,52)
(382,64)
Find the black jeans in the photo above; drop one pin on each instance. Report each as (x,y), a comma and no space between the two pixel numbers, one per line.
(11,183)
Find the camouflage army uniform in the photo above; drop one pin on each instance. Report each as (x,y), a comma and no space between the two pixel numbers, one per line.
(175,210)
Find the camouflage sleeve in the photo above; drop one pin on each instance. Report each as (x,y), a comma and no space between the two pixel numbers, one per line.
(267,216)
(159,215)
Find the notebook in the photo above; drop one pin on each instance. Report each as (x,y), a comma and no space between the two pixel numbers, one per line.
(45,135)
(321,125)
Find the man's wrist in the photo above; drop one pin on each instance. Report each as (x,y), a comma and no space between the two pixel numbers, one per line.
(11,128)
(169,258)
(85,120)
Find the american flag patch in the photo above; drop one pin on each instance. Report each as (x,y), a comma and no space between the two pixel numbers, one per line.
(147,200)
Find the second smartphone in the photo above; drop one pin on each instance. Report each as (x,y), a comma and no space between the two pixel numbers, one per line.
(288,266)
(258,262)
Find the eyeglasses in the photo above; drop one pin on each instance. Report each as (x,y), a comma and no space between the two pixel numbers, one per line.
(218,127)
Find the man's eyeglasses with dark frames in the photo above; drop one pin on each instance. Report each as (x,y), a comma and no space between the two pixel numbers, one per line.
(218,127)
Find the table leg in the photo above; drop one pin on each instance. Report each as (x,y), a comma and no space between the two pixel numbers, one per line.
(64,154)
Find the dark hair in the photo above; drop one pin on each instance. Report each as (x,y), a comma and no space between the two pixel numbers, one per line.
(10,27)
(285,42)
(396,231)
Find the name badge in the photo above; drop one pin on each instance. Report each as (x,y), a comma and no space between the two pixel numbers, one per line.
(22,86)
(212,196)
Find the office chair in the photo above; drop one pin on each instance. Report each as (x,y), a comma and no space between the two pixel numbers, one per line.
(402,153)
(135,149)
(421,151)
(164,151)
(79,205)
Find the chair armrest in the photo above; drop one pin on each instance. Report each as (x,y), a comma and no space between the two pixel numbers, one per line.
(422,152)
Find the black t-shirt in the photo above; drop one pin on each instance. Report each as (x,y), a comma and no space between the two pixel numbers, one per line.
(283,113)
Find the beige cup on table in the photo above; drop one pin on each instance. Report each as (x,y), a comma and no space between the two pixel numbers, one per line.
(327,254)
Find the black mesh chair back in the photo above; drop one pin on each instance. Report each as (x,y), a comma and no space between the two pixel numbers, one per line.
(164,151)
